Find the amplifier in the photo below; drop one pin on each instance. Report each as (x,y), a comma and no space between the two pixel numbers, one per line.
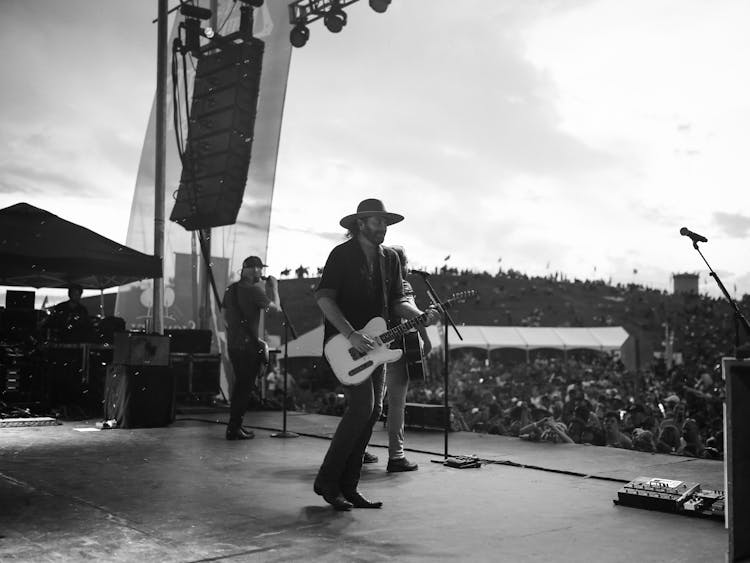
(189,341)
(419,415)
(15,299)
(196,375)
(139,397)
(140,349)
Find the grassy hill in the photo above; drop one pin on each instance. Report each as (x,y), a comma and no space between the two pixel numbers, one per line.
(703,327)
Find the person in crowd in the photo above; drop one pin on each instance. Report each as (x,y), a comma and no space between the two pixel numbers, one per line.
(546,430)
(669,438)
(693,443)
(585,427)
(274,381)
(244,301)
(612,435)
(360,280)
(643,440)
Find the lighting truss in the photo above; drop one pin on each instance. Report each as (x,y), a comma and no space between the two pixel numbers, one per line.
(302,12)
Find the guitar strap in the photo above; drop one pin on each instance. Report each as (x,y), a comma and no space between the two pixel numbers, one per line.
(386,304)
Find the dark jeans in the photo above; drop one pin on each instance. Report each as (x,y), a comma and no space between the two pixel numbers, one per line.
(247,365)
(343,461)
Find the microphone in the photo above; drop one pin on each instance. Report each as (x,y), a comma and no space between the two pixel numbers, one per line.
(421,273)
(695,237)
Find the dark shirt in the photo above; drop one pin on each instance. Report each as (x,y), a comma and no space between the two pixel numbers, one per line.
(70,321)
(359,293)
(243,302)
(409,296)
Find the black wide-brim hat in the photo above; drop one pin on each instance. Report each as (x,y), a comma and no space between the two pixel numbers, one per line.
(370,208)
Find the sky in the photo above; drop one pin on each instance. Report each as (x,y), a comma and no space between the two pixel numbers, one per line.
(545,136)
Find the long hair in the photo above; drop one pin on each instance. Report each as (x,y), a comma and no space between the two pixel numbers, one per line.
(353,231)
(399,250)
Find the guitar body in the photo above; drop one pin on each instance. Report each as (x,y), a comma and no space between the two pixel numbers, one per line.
(348,365)
(413,355)
(352,368)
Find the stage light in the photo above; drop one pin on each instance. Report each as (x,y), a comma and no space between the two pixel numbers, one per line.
(335,19)
(192,36)
(190,11)
(380,6)
(299,35)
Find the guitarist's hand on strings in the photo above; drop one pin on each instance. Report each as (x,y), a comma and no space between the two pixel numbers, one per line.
(361,342)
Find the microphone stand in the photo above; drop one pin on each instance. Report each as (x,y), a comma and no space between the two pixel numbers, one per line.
(287,328)
(432,294)
(739,318)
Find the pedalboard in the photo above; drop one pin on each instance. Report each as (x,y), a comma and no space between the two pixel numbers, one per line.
(669,495)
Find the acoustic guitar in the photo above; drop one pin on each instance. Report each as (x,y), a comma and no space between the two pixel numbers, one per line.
(415,367)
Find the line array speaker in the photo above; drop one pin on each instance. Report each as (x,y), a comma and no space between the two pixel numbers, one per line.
(220,136)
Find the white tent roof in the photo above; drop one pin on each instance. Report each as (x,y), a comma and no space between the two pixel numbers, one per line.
(607,338)
(529,338)
(308,345)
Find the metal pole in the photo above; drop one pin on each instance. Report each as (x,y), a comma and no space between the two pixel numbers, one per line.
(446,377)
(204,315)
(157,311)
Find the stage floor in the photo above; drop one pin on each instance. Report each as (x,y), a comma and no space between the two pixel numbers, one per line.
(183,493)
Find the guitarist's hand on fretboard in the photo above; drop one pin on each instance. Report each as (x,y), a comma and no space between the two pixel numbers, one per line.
(433,315)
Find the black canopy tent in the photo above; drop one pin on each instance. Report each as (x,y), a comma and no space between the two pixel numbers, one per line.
(39,249)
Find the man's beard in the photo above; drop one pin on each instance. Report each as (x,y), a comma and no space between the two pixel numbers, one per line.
(374,236)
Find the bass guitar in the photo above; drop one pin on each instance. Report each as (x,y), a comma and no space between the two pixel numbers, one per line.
(352,367)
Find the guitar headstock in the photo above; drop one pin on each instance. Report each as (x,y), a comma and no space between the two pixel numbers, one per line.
(461,296)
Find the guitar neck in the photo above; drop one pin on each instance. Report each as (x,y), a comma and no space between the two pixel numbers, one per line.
(403,328)
(419,320)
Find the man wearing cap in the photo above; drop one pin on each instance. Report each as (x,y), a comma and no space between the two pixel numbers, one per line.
(243,303)
(361,280)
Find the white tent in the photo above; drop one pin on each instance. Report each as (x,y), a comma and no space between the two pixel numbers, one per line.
(606,338)
(308,345)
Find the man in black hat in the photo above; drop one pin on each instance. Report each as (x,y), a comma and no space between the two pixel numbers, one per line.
(243,303)
(361,280)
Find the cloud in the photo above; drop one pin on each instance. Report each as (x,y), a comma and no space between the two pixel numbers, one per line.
(328,235)
(121,151)
(481,96)
(29,178)
(733,224)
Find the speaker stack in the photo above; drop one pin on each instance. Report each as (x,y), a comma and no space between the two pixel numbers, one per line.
(220,136)
(140,387)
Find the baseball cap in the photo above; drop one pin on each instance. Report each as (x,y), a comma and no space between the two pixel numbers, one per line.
(253,262)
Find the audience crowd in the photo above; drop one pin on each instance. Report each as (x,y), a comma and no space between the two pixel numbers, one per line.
(586,401)
(671,404)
